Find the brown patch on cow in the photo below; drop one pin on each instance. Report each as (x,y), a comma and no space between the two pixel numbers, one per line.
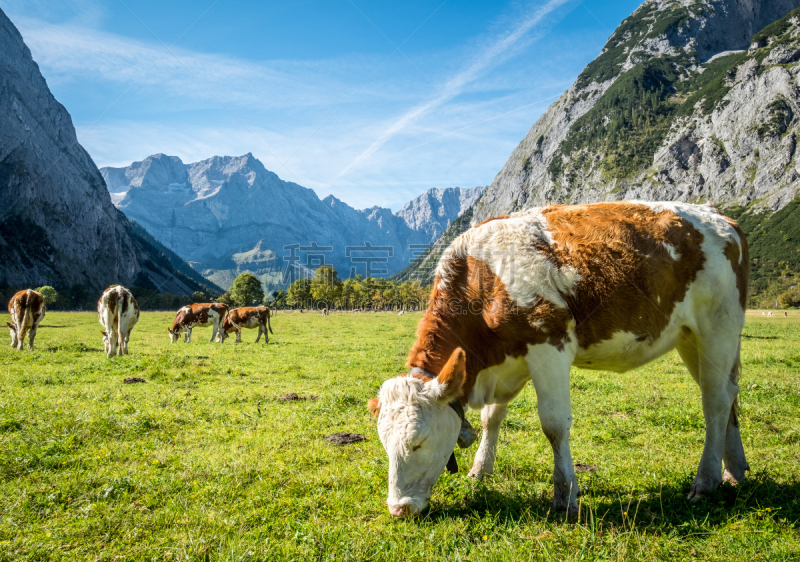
(293,397)
(344,438)
(473,311)
(124,303)
(453,374)
(629,281)
(113,297)
(132,380)
(497,218)
(374,406)
(739,264)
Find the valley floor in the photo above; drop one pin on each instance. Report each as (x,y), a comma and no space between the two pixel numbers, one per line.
(204,461)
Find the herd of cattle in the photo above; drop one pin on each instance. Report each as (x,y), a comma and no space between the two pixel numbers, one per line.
(118,312)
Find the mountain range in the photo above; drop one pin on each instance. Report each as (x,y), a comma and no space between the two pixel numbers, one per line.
(57,223)
(227,215)
(688,101)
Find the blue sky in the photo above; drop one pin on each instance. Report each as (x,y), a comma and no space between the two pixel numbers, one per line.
(371,101)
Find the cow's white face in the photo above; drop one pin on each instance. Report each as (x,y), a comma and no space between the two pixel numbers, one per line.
(418,430)
(173,335)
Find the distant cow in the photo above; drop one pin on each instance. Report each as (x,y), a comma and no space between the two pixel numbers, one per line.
(763,313)
(521,298)
(769,314)
(27,309)
(246,317)
(197,315)
(118,313)
(785,314)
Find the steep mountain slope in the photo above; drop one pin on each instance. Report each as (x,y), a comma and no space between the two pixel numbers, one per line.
(227,215)
(686,102)
(57,223)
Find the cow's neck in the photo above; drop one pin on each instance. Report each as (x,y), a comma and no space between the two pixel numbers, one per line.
(440,333)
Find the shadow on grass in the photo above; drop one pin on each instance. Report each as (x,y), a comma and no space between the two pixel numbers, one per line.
(760,337)
(664,509)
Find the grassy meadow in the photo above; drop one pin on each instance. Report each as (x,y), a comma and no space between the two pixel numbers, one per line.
(205,462)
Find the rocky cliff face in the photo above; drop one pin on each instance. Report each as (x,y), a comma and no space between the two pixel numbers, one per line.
(227,215)
(433,211)
(57,223)
(687,101)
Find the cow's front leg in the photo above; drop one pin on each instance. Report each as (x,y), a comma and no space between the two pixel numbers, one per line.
(492,416)
(239,336)
(188,337)
(549,369)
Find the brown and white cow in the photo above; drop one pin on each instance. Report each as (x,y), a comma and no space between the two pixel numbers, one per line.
(197,315)
(525,297)
(27,309)
(246,317)
(118,313)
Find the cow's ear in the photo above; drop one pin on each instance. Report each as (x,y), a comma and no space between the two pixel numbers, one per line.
(450,381)
(374,406)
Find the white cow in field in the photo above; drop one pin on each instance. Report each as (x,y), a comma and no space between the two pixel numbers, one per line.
(118,313)
(522,298)
(27,309)
(769,314)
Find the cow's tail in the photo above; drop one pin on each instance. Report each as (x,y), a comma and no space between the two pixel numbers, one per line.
(26,311)
(269,324)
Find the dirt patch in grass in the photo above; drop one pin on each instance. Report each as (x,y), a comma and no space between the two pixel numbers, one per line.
(344,438)
(132,380)
(293,397)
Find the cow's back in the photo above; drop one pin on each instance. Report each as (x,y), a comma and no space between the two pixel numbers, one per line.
(624,271)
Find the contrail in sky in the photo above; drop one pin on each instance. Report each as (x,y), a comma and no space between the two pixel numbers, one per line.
(456,84)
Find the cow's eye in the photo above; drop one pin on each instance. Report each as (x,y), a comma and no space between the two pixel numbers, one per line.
(418,445)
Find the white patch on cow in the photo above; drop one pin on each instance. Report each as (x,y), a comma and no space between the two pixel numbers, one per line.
(673,253)
(509,247)
(499,384)
(418,430)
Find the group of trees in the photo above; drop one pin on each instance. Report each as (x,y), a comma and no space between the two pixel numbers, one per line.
(326,290)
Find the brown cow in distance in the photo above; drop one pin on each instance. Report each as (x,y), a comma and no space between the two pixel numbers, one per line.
(197,315)
(27,309)
(246,317)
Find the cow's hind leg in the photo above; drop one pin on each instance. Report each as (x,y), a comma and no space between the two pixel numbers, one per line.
(31,336)
(549,370)
(492,416)
(713,362)
(258,337)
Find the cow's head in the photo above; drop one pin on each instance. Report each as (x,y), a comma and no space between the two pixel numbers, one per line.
(13,330)
(173,335)
(418,429)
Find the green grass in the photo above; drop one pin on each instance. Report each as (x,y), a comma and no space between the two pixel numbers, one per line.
(203,461)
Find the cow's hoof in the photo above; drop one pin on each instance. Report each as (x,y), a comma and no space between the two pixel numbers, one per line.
(699,489)
(478,473)
(735,475)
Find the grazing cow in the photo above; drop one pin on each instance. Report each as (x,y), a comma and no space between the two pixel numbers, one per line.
(118,313)
(763,314)
(769,314)
(525,297)
(324,312)
(246,317)
(197,315)
(785,314)
(400,313)
(27,309)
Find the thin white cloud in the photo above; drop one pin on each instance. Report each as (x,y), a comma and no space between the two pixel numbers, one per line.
(492,54)
(76,52)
